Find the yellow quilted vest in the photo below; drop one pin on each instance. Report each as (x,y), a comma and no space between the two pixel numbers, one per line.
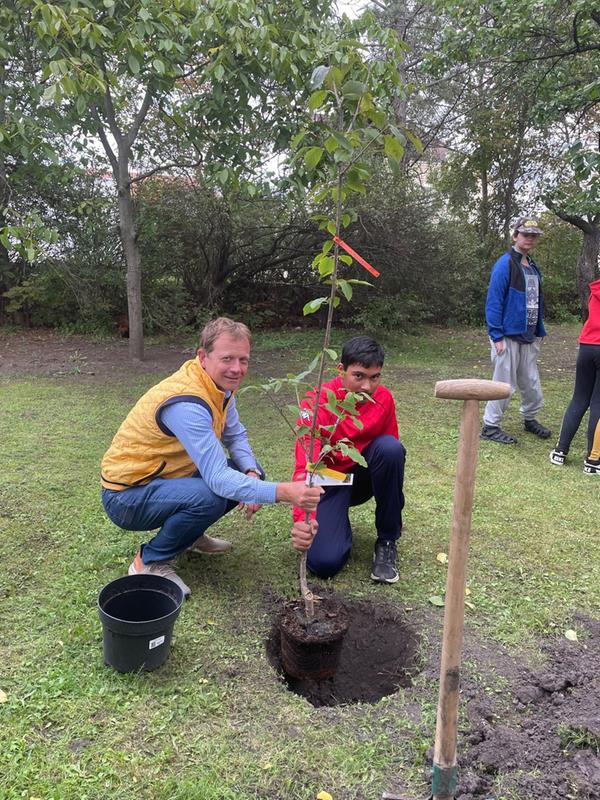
(141,449)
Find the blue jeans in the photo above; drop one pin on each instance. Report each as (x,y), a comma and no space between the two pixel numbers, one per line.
(382,479)
(183,508)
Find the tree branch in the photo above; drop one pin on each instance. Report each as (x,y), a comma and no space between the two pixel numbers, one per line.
(105,143)
(111,117)
(162,167)
(139,117)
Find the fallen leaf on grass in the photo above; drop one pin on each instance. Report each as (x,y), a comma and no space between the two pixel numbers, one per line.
(436,600)
(571,635)
(3,696)
(442,558)
(469,605)
(268,765)
(324,796)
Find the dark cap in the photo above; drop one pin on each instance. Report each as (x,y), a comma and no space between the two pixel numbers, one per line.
(527,225)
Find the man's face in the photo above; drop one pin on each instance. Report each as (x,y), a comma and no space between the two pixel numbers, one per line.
(227,362)
(360,379)
(525,242)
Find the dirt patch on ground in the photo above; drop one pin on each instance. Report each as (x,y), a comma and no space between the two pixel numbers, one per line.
(46,352)
(532,734)
(50,354)
(379,654)
(544,743)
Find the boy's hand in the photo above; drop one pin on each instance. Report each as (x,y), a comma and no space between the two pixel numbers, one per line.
(303,534)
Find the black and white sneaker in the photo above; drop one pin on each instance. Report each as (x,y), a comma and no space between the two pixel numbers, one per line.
(557,457)
(384,563)
(591,466)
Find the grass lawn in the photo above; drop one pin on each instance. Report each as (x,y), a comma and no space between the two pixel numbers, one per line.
(216,722)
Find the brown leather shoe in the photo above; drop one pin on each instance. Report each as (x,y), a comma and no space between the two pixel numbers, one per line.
(209,546)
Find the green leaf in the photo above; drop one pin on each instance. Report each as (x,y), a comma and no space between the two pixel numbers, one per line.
(331,228)
(415,141)
(159,66)
(295,141)
(436,600)
(392,147)
(81,104)
(316,99)
(571,635)
(345,289)
(351,452)
(219,71)
(378,118)
(327,245)
(331,353)
(313,305)
(134,64)
(325,266)
(353,89)
(313,156)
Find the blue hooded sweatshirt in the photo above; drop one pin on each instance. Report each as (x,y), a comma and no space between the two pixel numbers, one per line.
(506,303)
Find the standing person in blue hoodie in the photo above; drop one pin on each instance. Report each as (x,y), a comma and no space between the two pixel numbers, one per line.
(514,312)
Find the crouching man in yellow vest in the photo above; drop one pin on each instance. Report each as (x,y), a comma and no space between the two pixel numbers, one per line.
(166,467)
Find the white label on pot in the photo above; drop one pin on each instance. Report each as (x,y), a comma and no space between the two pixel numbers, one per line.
(155,642)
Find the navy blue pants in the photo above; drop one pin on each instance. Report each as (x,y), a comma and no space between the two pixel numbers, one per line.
(383,479)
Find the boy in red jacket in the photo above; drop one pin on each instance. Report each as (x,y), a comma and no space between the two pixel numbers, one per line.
(383,478)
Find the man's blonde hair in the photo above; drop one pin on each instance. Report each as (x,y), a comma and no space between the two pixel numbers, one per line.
(219,326)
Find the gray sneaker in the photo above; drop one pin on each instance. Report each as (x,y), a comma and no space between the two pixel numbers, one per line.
(209,546)
(162,568)
(384,563)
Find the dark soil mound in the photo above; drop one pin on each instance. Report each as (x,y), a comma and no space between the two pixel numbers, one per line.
(379,654)
(548,746)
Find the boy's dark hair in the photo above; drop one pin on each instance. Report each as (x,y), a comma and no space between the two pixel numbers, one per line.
(363,350)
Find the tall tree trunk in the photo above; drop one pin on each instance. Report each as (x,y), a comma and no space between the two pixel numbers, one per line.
(4,258)
(127,225)
(484,209)
(587,262)
(119,162)
(587,265)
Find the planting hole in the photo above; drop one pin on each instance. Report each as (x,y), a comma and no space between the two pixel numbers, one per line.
(379,654)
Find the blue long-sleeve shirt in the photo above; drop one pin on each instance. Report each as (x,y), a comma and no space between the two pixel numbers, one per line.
(191,423)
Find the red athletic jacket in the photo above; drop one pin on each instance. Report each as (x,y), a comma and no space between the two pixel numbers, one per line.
(590,333)
(378,418)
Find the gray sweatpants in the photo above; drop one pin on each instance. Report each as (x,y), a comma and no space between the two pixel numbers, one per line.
(517,365)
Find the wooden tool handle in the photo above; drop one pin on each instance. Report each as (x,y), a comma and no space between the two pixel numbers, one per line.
(471,389)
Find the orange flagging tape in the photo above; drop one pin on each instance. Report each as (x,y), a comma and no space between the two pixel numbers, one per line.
(355,255)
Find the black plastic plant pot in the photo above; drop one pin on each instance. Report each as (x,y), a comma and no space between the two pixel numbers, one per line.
(138,613)
(311,650)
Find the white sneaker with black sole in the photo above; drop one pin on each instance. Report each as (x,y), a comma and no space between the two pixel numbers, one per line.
(557,457)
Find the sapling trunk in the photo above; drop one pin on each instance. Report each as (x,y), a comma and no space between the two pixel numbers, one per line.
(307,595)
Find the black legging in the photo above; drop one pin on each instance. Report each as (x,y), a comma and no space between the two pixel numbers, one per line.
(586,393)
